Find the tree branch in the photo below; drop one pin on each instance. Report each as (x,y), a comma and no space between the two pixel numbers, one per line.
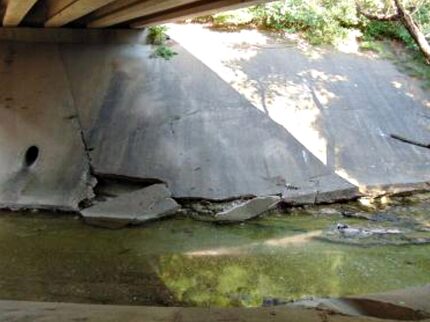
(414,30)
(379,17)
(408,21)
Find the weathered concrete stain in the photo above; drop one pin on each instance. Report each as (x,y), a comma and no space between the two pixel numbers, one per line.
(35,103)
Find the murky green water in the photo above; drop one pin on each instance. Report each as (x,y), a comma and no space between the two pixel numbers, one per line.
(184,262)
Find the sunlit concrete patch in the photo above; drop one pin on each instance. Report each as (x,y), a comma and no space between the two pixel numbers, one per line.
(323,189)
(341,107)
(43,163)
(178,122)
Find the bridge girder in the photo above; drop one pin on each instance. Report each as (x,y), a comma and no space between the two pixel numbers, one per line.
(109,13)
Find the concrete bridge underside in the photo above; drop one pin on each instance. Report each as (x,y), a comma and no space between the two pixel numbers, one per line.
(107,13)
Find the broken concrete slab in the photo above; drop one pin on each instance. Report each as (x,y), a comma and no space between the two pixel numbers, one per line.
(132,208)
(327,195)
(324,189)
(248,209)
(300,197)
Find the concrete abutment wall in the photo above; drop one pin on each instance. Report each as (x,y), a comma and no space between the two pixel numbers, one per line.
(96,101)
(141,117)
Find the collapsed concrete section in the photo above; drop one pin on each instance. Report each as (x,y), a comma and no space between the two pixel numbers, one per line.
(132,208)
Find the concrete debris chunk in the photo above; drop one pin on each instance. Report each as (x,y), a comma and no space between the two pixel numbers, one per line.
(132,208)
(247,210)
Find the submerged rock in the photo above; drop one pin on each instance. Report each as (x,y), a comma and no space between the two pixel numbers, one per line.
(247,210)
(370,236)
(365,232)
(133,208)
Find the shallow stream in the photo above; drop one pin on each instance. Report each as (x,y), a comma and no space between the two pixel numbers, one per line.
(289,255)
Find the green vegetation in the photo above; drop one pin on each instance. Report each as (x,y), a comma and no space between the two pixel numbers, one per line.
(320,22)
(157,37)
(325,21)
(332,21)
(165,52)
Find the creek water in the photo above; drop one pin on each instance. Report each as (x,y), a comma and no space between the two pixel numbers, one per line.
(286,256)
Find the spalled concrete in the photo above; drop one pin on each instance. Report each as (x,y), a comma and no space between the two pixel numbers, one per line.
(132,208)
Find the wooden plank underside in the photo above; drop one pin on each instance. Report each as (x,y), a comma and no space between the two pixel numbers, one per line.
(200,8)
(16,11)
(74,11)
(140,9)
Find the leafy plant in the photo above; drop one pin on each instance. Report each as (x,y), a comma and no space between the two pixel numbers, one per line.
(329,21)
(157,37)
(165,52)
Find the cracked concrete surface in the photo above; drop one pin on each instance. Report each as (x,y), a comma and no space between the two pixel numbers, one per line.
(343,107)
(37,109)
(201,137)
(256,118)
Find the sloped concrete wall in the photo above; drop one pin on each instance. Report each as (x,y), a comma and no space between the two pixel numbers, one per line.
(343,107)
(37,110)
(178,122)
(144,118)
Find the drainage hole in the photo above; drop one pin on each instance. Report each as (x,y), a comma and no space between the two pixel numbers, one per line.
(31,156)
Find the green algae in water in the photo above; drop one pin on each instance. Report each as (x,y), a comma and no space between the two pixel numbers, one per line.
(184,262)
(317,271)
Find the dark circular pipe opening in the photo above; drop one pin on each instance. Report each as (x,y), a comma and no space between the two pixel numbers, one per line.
(31,156)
